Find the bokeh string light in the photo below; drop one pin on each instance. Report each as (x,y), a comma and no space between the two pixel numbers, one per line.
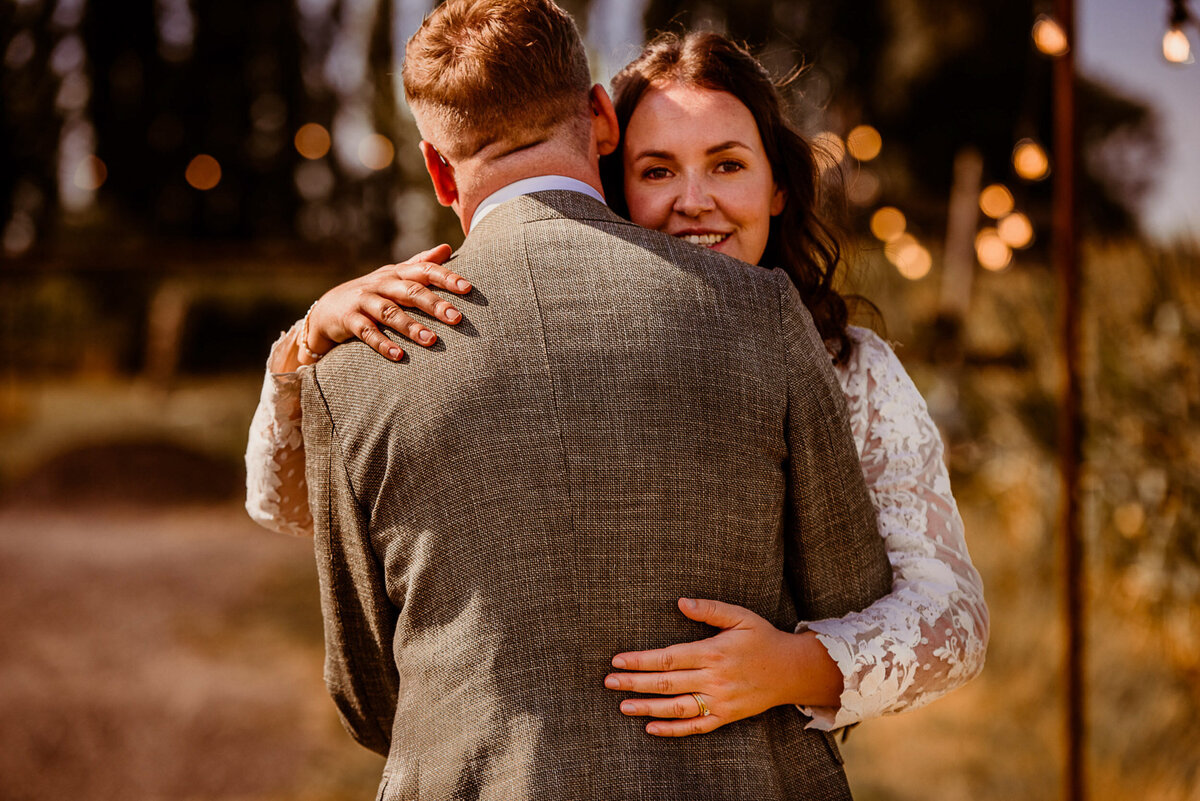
(312,141)
(376,151)
(888,223)
(992,251)
(910,258)
(996,201)
(1049,37)
(864,142)
(1015,230)
(203,172)
(1030,160)
(1175,45)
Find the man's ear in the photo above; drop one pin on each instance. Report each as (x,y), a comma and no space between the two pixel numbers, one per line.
(441,173)
(605,131)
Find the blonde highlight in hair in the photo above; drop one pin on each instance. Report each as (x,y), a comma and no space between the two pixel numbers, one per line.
(485,72)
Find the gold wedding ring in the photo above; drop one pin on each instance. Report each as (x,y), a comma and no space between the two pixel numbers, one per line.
(704,710)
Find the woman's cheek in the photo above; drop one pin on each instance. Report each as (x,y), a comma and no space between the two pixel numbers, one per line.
(650,208)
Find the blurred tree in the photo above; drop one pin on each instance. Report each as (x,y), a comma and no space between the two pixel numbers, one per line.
(28,191)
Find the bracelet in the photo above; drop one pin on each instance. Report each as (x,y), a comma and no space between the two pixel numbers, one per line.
(306,353)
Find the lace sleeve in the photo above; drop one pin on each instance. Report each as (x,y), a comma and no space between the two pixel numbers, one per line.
(276,491)
(930,634)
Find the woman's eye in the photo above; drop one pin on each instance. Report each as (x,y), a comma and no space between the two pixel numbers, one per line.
(655,173)
(730,166)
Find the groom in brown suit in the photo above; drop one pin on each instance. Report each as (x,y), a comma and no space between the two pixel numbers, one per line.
(620,420)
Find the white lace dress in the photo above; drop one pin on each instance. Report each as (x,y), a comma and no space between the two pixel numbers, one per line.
(910,647)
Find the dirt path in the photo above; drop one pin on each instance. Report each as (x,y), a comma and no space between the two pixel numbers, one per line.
(170,653)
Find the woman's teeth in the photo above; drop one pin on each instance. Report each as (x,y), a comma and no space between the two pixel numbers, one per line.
(705,240)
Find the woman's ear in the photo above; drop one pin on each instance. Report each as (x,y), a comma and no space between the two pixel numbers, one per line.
(606,133)
(441,173)
(778,201)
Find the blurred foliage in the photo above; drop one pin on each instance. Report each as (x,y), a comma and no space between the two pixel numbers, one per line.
(997,407)
(1143,446)
(934,78)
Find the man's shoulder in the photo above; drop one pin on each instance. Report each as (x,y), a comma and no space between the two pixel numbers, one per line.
(564,220)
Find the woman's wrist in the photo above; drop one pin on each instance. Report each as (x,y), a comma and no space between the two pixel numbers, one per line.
(306,354)
(815,679)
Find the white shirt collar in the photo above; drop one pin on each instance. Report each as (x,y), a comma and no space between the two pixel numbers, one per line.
(526,186)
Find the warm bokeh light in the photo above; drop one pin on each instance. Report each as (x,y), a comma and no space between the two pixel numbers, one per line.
(1129,519)
(376,151)
(1176,47)
(903,243)
(991,251)
(911,259)
(312,140)
(91,174)
(864,188)
(917,264)
(829,148)
(864,143)
(995,201)
(1016,230)
(1049,36)
(888,223)
(203,172)
(1030,160)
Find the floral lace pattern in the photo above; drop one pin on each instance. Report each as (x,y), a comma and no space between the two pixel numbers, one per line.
(276,490)
(930,634)
(925,638)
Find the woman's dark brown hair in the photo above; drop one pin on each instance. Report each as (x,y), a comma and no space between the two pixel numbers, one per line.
(799,241)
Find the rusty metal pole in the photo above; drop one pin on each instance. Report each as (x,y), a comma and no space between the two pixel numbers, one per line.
(1066,264)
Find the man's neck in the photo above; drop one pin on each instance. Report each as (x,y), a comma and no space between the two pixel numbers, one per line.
(490,178)
(526,186)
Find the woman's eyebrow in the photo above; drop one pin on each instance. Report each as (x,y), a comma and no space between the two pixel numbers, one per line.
(730,145)
(653,154)
(662,154)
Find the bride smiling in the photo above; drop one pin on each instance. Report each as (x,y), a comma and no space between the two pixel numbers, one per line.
(708,157)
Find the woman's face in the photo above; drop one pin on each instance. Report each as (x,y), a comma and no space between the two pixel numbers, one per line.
(695,168)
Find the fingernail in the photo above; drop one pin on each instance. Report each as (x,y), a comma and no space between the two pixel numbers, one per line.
(463,285)
(426,336)
(395,353)
(611,682)
(689,603)
(628,709)
(452,315)
(618,662)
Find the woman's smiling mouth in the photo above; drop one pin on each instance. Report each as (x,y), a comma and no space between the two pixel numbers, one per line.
(703,240)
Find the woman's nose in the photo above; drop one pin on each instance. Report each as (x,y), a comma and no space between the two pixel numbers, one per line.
(694,200)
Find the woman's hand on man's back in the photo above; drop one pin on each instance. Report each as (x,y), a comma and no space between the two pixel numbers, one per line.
(357,308)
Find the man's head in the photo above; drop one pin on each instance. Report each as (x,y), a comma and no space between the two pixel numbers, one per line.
(490,80)
(480,73)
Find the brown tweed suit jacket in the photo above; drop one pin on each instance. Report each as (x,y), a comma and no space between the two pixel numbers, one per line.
(620,419)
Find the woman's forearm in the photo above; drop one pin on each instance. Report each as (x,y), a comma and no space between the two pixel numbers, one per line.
(276,490)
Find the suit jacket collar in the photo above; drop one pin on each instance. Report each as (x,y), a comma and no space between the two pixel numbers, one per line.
(549,205)
(538,183)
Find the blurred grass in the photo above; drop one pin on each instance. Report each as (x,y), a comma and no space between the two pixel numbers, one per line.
(42,417)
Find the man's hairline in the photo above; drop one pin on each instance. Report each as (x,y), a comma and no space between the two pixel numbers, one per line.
(431,131)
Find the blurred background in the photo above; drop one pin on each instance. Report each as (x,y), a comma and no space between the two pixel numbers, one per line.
(180,179)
